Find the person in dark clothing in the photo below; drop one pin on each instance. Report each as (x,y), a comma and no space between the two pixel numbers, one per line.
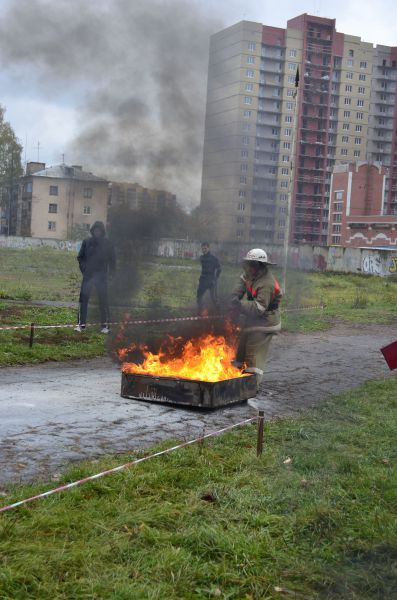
(96,259)
(210,271)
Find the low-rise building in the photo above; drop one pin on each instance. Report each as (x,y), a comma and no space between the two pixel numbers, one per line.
(60,202)
(137,197)
(357,207)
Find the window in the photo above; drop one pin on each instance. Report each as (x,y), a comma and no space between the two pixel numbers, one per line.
(360,103)
(348,101)
(359,128)
(87,192)
(345,139)
(284,184)
(246,127)
(52,226)
(348,88)
(360,116)
(288,119)
(290,92)
(349,75)
(346,114)
(244,153)
(87,210)
(292,52)
(247,114)
(245,140)
(284,171)
(249,73)
(336,239)
(338,196)
(291,79)
(240,206)
(27,187)
(53,208)
(351,52)
(363,64)
(338,206)
(249,87)
(251,46)
(287,145)
(53,190)
(241,194)
(291,66)
(285,158)
(283,198)
(247,100)
(345,126)
(290,105)
(243,179)
(244,167)
(240,219)
(362,77)
(344,152)
(287,132)
(350,62)
(337,218)
(361,90)
(356,153)
(272,170)
(251,60)
(357,141)
(336,228)
(274,131)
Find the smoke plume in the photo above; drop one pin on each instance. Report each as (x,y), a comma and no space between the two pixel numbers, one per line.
(137,71)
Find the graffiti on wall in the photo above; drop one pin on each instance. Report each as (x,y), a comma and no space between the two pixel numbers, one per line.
(393,264)
(371,264)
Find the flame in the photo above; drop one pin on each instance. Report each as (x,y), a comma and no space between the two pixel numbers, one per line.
(206,358)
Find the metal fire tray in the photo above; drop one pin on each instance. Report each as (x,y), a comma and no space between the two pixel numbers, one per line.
(187,392)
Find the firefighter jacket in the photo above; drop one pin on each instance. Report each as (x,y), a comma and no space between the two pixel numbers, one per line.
(259,297)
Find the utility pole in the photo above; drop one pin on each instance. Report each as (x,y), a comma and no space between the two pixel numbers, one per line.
(291,186)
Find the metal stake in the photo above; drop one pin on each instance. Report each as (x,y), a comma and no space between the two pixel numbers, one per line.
(259,443)
(31,335)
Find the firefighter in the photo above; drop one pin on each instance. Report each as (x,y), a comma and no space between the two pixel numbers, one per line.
(210,271)
(256,302)
(96,259)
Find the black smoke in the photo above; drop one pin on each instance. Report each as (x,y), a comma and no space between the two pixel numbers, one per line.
(137,71)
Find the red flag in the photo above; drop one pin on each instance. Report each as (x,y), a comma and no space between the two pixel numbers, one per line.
(390,354)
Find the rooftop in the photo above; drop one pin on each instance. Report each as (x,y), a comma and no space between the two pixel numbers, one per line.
(67,172)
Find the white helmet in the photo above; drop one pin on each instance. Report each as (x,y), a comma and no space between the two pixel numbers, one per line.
(258,255)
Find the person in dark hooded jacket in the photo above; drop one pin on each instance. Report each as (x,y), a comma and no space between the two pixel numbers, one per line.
(96,259)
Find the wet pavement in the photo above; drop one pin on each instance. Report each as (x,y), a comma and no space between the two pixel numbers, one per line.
(55,413)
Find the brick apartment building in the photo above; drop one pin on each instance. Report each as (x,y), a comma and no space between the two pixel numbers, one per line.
(356,213)
(269,145)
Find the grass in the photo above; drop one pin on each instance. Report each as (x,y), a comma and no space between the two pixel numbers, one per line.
(314,517)
(166,285)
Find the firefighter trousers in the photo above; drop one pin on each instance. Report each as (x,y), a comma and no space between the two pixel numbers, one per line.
(253,349)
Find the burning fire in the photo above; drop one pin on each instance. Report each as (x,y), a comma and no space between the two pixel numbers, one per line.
(206,358)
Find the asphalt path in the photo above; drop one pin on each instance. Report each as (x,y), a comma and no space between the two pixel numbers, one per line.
(55,413)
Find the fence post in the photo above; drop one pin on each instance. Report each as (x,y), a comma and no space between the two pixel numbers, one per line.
(259,442)
(31,339)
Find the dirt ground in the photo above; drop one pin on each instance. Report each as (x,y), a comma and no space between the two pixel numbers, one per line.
(55,413)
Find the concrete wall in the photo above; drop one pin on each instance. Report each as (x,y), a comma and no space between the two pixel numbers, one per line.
(368,261)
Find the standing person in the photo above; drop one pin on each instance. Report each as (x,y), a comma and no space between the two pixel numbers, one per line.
(96,258)
(210,271)
(256,299)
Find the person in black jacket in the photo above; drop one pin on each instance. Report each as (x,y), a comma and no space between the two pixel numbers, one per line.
(210,271)
(96,259)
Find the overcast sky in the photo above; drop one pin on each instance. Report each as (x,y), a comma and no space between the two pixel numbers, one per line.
(70,79)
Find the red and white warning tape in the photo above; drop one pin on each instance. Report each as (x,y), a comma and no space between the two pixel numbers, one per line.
(74,484)
(147,321)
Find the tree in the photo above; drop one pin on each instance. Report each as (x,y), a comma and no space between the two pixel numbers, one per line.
(10,172)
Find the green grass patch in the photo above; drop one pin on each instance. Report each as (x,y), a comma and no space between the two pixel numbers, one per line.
(314,517)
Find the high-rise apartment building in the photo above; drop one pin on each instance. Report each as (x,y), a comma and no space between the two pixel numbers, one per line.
(269,144)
